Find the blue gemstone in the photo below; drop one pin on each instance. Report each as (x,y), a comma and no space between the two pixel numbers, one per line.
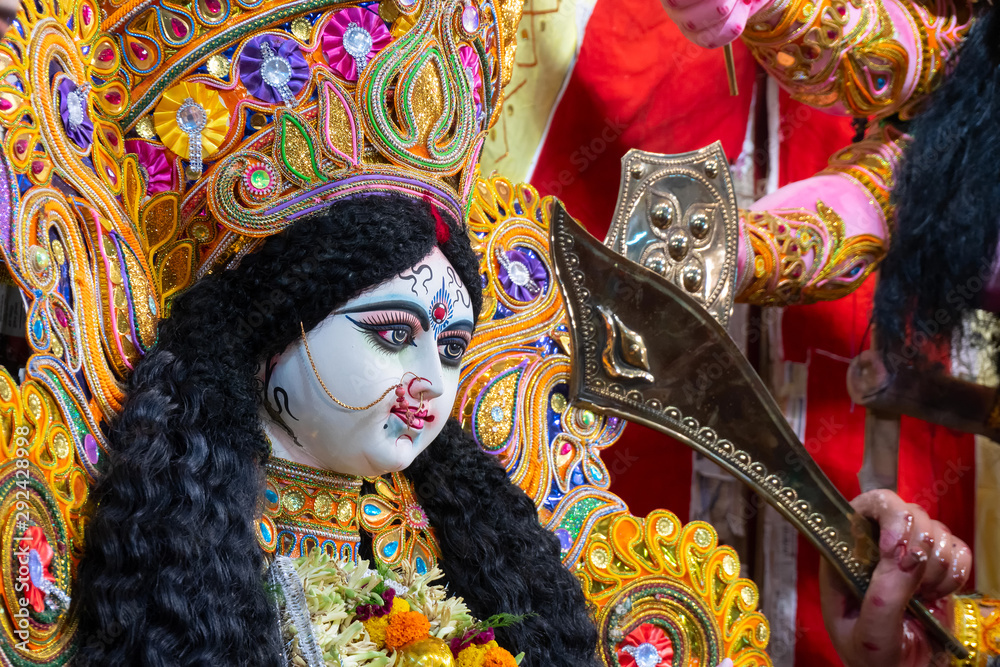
(646,655)
(421,566)
(265,532)
(38,329)
(389,550)
(371,510)
(271,496)
(880,82)
(565,539)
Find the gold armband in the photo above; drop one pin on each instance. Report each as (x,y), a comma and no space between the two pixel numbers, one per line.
(977,626)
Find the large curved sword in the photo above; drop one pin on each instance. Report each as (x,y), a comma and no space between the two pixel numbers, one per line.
(647,351)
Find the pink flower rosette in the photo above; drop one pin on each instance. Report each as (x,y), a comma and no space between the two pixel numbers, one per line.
(153,160)
(471,64)
(352,37)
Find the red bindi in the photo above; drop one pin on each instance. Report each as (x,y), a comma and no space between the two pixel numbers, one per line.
(439,312)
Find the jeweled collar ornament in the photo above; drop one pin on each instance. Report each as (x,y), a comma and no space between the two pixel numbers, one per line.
(306,508)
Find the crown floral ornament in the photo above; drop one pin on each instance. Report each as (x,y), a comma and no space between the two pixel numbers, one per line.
(170,137)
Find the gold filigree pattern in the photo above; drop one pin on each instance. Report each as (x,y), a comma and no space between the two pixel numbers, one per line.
(516,370)
(977,627)
(871,162)
(850,56)
(657,572)
(801,256)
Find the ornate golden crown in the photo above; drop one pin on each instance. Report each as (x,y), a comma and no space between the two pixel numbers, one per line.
(149,143)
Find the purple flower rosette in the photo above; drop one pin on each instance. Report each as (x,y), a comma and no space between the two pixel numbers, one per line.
(522,276)
(251,60)
(332,39)
(75,117)
(153,160)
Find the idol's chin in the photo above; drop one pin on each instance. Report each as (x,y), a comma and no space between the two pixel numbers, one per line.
(394,456)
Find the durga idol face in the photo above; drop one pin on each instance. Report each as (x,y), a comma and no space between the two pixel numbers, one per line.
(374,383)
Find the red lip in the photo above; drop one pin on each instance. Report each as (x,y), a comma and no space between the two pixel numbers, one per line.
(412,417)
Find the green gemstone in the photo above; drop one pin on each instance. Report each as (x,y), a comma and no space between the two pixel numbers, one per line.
(587,418)
(260,178)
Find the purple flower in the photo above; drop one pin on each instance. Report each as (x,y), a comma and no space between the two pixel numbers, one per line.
(458,644)
(522,276)
(366,611)
(75,117)
(352,38)
(287,68)
(153,160)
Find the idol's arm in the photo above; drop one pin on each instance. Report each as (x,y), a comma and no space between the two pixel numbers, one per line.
(862,58)
(821,237)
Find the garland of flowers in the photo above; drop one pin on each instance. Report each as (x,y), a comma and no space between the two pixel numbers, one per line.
(368,618)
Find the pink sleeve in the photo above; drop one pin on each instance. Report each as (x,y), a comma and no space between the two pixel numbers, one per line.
(819,238)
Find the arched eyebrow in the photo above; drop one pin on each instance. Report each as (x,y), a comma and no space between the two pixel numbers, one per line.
(407,306)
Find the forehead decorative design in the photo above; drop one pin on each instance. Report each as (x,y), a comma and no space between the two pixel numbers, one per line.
(441,310)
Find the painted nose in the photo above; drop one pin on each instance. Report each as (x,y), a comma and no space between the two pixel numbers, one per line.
(429,380)
(424,388)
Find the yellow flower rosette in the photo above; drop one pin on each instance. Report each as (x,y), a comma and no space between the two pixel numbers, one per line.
(216,118)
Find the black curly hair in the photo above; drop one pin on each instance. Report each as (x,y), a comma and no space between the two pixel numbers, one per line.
(172,574)
(947,199)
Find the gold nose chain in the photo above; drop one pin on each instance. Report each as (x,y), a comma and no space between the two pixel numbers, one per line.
(398,387)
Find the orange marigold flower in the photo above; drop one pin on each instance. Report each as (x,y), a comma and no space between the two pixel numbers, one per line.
(406,627)
(499,657)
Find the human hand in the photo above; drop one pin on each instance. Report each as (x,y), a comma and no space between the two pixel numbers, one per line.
(712,23)
(918,556)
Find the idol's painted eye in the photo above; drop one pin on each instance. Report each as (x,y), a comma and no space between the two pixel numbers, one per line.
(391,330)
(397,337)
(452,346)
